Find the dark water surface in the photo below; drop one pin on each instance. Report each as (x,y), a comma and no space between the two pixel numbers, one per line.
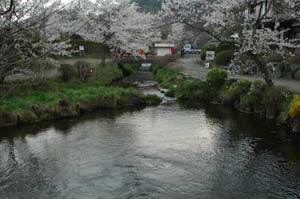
(162,152)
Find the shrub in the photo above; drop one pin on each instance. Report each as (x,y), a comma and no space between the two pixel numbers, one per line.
(276,101)
(166,77)
(294,108)
(216,77)
(217,48)
(131,68)
(224,58)
(193,90)
(252,100)
(275,57)
(171,92)
(152,100)
(107,74)
(234,92)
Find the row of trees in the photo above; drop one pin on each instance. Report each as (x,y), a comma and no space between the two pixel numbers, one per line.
(240,22)
(37,29)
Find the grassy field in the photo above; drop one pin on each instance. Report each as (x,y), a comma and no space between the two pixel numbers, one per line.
(50,92)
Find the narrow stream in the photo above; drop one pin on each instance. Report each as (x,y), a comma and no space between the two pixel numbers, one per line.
(158,152)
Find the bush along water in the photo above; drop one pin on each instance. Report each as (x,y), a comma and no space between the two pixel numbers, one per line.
(166,77)
(294,113)
(276,103)
(67,97)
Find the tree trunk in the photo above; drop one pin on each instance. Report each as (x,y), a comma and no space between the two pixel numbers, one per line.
(263,69)
(2,79)
(105,50)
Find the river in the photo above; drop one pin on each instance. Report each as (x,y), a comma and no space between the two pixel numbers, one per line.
(165,152)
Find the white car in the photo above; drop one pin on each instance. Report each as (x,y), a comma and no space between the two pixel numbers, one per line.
(189,49)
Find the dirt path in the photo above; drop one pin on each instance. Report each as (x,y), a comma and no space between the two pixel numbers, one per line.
(191,66)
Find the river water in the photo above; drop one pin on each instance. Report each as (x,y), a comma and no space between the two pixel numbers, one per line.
(158,152)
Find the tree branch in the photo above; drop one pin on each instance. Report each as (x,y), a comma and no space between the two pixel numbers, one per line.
(11,5)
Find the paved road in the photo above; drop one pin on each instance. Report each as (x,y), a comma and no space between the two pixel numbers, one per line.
(191,66)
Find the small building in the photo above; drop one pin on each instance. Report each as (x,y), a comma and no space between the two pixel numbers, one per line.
(162,49)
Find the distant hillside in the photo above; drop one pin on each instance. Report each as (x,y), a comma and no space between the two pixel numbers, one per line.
(149,5)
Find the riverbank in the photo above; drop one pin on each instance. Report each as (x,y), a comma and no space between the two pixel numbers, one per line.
(31,102)
(275,103)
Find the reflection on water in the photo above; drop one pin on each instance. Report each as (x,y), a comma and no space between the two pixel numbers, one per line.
(162,152)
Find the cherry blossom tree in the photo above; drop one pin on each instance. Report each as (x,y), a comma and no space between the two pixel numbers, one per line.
(242,22)
(115,24)
(29,29)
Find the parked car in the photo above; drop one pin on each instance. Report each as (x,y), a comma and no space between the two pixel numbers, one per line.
(190,49)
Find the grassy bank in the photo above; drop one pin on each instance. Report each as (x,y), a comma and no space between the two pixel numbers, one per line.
(50,92)
(166,77)
(276,103)
(54,99)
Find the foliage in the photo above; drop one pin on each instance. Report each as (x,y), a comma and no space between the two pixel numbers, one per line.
(52,91)
(129,69)
(113,24)
(276,101)
(29,30)
(218,48)
(171,92)
(216,77)
(224,58)
(275,57)
(107,74)
(294,108)
(239,22)
(193,90)
(152,100)
(252,100)
(232,94)
(155,68)
(165,76)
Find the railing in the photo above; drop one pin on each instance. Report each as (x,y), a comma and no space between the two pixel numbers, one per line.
(136,60)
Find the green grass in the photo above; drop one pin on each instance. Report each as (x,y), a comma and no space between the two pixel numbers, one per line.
(166,77)
(50,92)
